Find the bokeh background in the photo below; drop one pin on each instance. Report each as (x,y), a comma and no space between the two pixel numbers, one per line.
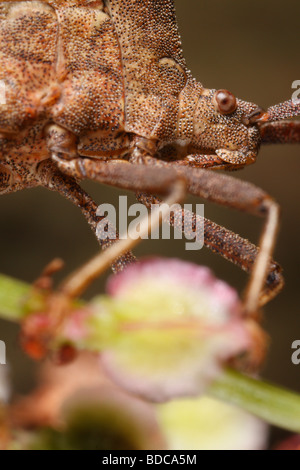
(251,48)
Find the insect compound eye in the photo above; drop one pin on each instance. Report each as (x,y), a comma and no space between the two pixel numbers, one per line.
(225,101)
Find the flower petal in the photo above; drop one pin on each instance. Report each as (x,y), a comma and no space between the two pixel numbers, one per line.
(175,325)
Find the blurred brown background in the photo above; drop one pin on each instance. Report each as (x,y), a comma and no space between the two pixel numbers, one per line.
(251,48)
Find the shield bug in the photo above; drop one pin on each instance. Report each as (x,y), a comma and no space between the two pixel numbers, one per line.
(100,90)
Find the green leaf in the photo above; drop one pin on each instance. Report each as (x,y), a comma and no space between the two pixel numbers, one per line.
(13,296)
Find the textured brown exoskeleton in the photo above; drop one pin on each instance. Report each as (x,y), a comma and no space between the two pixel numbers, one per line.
(101,90)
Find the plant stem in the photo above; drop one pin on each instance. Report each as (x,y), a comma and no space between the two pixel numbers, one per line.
(273,404)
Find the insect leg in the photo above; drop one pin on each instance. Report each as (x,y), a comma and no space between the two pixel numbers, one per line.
(123,175)
(230,246)
(280,132)
(127,176)
(221,189)
(51,178)
(237,194)
(244,196)
(80,280)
